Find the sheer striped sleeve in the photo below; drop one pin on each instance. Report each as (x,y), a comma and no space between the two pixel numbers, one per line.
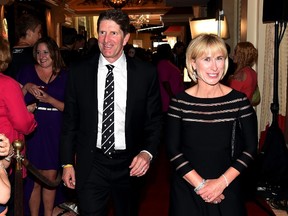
(248,121)
(173,139)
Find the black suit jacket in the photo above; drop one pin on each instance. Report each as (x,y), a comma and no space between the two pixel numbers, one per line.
(143,121)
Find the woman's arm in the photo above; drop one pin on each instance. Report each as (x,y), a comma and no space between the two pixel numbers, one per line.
(4,181)
(21,119)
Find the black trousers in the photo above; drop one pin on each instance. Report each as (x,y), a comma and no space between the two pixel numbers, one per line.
(110,185)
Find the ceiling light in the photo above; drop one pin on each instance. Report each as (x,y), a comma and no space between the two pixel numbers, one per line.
(210,26)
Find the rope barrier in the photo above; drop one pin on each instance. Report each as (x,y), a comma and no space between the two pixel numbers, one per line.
(21,160)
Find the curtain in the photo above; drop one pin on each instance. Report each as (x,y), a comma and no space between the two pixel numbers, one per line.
(268,81)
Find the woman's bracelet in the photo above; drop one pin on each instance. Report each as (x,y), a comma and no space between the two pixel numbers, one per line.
(11,154)
(226,181)
(201,185)
(67,165)
(3,167)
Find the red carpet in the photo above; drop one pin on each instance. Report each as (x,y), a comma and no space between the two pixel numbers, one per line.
(156,200)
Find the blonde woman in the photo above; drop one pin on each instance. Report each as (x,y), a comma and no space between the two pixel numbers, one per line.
(198,133)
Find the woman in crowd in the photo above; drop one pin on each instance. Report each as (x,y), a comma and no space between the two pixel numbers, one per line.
(199,127)
(15,120)
(244,78)
(170,78)
(5,188)
(28,29)
(43,84)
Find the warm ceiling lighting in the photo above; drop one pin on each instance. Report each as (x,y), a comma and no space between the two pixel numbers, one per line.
(210,26)
(117,3)
(139,20)
(122,3)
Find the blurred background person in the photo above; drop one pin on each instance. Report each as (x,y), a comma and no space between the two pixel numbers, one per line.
(179,50)
(28,29)
(92,47)
(15,120)
(170,78)
(244,78)
(44,81)
(231,66)
(80,45)
(68,41)
(130,50)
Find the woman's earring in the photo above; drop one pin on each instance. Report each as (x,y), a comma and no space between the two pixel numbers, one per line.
(194,72)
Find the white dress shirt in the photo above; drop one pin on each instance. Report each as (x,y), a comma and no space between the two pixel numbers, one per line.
(120,95)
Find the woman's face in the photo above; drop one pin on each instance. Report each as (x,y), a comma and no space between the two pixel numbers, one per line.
(43,56)
(209,67)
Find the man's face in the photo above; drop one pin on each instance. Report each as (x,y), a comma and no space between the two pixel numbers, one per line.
(111,40)
(33,36)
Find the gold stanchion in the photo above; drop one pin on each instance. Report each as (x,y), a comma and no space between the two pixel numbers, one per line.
(18,146)
(18,195)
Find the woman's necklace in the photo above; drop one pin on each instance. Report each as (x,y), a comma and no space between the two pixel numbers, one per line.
(46,79)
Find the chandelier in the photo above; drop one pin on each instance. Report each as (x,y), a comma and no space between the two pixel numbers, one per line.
(139,20)
(122,3)
(116,3)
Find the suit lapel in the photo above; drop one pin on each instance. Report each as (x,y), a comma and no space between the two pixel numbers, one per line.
(94,78)
(130,94)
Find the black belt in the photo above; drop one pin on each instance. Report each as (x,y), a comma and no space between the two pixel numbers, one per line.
(116,154)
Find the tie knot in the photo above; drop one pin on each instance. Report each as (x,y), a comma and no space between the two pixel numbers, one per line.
(110,67)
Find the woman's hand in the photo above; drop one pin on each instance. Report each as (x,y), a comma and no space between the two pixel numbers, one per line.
(33,89)
(31,108)
(4,145)
(212,192)
(43,96)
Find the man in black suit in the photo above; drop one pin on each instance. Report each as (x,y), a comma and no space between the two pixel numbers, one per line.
(98,177)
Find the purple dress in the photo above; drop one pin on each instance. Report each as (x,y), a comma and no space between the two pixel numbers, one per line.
(43,144)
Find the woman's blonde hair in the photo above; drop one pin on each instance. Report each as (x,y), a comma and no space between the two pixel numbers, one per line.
(5,54)
(200,46)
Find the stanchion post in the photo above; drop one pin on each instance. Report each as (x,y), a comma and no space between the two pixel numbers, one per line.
(18,146)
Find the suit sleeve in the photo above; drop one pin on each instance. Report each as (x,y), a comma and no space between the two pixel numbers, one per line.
(70,121)
(153,123)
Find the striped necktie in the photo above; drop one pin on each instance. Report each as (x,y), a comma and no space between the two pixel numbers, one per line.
(108,139)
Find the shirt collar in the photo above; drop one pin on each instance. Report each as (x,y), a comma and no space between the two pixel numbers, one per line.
(118,63)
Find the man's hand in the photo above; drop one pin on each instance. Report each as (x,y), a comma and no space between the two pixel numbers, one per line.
(68,177)
(140,164)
